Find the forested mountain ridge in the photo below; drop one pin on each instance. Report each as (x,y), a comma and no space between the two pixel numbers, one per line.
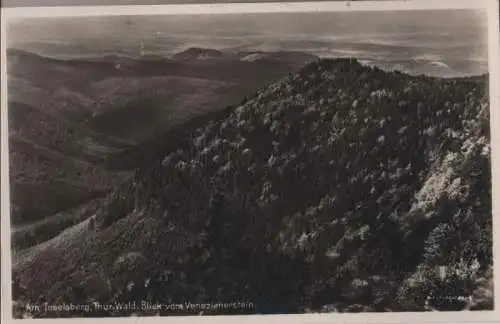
(340,188)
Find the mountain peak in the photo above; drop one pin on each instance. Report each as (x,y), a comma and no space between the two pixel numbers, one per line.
(198,53)
(335,64)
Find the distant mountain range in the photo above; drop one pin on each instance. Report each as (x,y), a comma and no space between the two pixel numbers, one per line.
(339,187)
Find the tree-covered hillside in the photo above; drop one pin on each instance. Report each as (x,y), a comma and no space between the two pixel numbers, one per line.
(340,188)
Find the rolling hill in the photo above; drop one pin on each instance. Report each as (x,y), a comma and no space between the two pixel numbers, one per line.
(44,182)
(339,188)
(55,164)
(150,105)
(60,135)
(145,94)
(69,117)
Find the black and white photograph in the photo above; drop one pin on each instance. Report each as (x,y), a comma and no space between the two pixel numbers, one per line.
(249,163)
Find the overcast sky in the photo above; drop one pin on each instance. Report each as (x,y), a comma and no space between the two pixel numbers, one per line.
(459,22)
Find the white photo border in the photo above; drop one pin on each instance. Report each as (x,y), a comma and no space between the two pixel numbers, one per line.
(492,7)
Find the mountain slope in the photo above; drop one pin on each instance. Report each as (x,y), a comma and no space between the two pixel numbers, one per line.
(54,164)
(45,181)
(159,103)
(339,188)
(58,134)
